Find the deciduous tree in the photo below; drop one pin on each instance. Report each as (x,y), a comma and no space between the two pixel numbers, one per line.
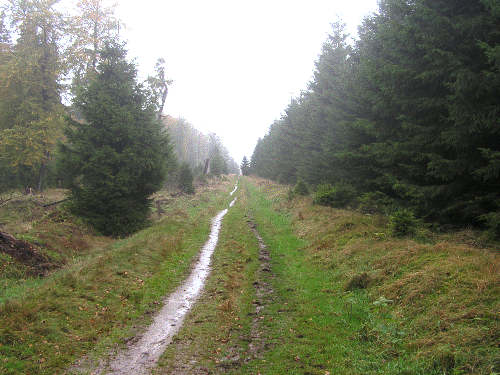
(30,109)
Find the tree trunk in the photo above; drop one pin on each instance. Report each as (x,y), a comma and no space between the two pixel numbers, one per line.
(207,166)
(163,98)
(43,172)
(41,177)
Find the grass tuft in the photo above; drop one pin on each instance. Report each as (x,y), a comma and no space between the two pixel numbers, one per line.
(360,281)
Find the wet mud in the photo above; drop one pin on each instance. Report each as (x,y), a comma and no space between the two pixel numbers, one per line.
(143,352)
(263,295)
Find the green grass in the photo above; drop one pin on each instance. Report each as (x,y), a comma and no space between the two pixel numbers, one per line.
(425,306)
(430,307)
(317,326)
(348,298)
(216,331)
(56,234)
(94,302)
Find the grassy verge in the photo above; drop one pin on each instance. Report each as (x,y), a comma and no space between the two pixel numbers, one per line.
(352,300)
(58,236)
(95,301)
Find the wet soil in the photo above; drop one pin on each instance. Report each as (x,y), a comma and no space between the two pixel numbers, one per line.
(25,253)
(263,293)
(142,354)
(143,351)
(234,190)
(190,354)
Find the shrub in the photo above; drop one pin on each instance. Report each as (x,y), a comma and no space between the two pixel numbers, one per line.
(339,195)
(403,223)
(186,179)
(301,188)
(492,222)
(373,202)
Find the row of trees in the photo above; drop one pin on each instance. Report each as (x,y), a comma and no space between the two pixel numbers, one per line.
(109,146)
(194,148)
(44,56)
(410,111)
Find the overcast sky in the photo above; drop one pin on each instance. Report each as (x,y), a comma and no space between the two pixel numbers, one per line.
(235,64)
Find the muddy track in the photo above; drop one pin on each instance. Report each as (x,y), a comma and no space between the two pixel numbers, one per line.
(143,351)
(142,355)
(263,293)
(256,337)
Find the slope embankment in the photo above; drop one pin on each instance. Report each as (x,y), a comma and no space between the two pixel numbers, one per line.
(104,297)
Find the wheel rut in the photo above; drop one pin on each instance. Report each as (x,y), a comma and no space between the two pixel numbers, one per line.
(263,295)
(143,351)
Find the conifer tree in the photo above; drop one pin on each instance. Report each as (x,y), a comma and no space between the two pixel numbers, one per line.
(186,179)
(117,157)
(409,112)
(245,166)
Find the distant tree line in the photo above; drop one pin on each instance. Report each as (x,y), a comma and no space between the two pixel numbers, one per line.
(74,114)
(194,148)
(245,166)
(406,116)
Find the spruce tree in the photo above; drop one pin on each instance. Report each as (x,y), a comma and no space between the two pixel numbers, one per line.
(186,179)
(245,166)
(117,157)
(409,112)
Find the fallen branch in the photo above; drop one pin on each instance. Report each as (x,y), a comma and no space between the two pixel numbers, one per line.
(3,202)
(54,203)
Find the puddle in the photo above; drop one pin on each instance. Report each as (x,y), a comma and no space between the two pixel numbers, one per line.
(234,190)
(233,202)
(143,354)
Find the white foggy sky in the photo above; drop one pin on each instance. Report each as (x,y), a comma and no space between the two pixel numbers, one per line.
(235,64)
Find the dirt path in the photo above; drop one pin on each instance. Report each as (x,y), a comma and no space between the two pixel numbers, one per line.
(142,355)
(263,293)
(234,190)
(143,352)
(191,353)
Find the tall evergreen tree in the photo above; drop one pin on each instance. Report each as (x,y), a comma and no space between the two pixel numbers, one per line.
(117,157)
(411,111)
(245,166)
